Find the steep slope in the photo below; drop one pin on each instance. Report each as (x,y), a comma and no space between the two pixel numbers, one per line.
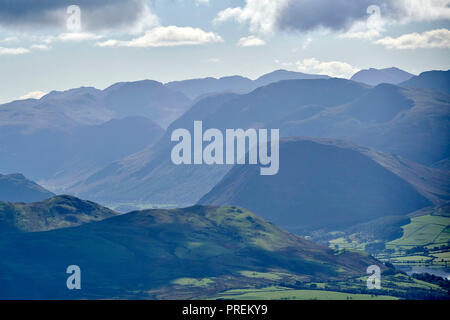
(145,98)
(54,213)
(143,254)
(17,188)
(323,184)
(61,158)
(58,131)
(151,177)
(374,77)
(412,123)
(434,80)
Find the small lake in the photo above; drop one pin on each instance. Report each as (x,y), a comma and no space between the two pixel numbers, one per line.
(440,272)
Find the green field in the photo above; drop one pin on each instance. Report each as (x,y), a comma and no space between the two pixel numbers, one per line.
(428,230)
(425,240)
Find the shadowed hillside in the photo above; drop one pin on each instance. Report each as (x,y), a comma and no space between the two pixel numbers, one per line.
(54,213)
(17,188)
(145,254)
(324,184)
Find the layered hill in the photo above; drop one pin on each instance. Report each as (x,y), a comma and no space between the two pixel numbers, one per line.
(434,80)
(150,176)
(374,77)
(195,88)
(17,188)
(328,184)
(412,123)
(53,213)
(149,254)
(63,157)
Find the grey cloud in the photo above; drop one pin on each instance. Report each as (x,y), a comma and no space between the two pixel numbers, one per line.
(96,14)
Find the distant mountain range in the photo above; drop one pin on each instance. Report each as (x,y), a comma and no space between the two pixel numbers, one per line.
(412,123)
(53,213)
(151,176)
(330,184)
(358,159)
(196,88)
(434,80)
(163,254)
(17,188)
(374,77)
(63,157)
(78,131)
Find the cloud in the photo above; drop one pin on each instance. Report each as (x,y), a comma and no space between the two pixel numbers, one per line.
(40,47)
(213,60)
(283,64)
(9,39)
(332,68)
(250,41)
(306,43)
(78,36)
(200,2)
(13,51)
(439,38)
(261,15)
(335,15)
(33,95)
(166,37)
(96,15)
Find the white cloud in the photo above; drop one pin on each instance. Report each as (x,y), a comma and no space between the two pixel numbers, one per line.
(167,37)
(33,95)
(200,2)
(306,43)
(13,51)
(422,10)
(283,64)
(72,36)
(213,60)
(260,14)
(146,21)
(10,39)
(439,38)
(250,41)
(79,36)
(332,68)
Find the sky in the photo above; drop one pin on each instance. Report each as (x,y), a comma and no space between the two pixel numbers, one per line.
(50,45)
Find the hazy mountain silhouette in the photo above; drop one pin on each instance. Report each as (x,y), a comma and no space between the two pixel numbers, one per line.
(63,157)
(195,88)
(151,176)
(434,80)
(408,122)
(145,98)
(16,188)
(329,184)
(374,77)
